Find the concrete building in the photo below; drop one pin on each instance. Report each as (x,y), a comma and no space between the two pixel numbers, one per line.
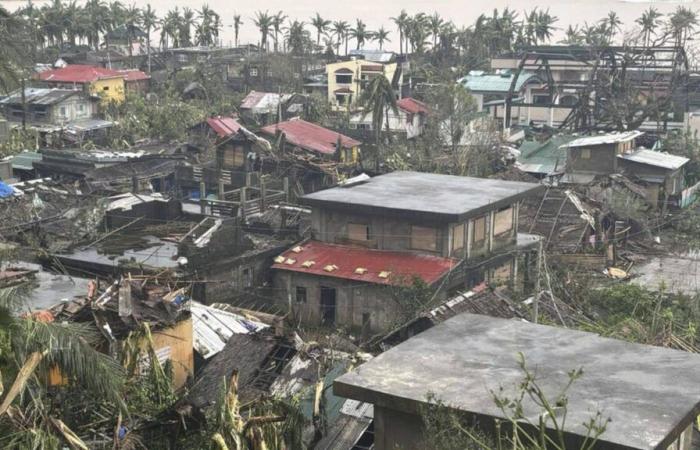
(651,394)
(374,235)
(107,84)
(408,121)
(47,106)
(347,79)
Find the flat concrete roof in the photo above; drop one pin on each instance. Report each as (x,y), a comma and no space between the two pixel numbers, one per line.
(446,197)
(650,393)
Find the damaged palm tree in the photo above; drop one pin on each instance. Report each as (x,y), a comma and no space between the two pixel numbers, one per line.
(265,424)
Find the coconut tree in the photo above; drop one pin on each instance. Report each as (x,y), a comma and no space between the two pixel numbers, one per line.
(149,20)
(132,20)
(237,23)
(401,21)
(297,37)
(649,22)
(185,26)
(97,13)
(340,30)
(321,26)
(381,36)
(435,23)
(263,21)
(612,24)
(378,98)
(277,22)
(681,24)
(360,33)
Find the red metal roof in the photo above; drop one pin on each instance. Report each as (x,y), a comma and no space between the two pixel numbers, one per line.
(413,106)
(224,126)
(310,136)
(81,73)
(401,266)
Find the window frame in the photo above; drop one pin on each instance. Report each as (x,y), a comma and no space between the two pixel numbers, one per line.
(367,230)
(301,292)
(412,243)
(512,221)
(453,231)
(485,228)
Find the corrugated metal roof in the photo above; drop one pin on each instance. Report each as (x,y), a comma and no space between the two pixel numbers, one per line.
(224,126)
(263,102)
(310,136)
(544,157)
(82,73)
(25,160)
(412,105)
(38,96)
(612,138)
(212,328)
(361,264)
(657,159)
(479,81)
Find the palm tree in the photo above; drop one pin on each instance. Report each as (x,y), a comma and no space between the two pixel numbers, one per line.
(321,26)
(340,30)
(132,19)
(572,36)
(401,21)
(648,22)
(381,36)
(378,98)
(297,37)
(612,24)
(149,20)
(681,25)
(277,22)
(544,25)
(263,21)
(185,26)
(237,22)
(97,12)
(360,33)
(435,23)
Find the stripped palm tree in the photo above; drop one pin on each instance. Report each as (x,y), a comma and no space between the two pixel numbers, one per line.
(237,23)
(277,22)
(401,21)
(150,23)
(263,21)
(378,98)
(381,36)
(321,26)
(340,30)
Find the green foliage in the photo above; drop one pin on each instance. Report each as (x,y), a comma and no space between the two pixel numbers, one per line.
(519,428)
(413,296)
(685,143)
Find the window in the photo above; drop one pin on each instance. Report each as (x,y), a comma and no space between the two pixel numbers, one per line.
(247,277)
(504,221)
(423,238)
(568,100)
(106,88)
(301,294)
(479,230)
(63,111)
(81,107)
(586,153)
(364,126)
(458,237)
(358,232)
(253,72)
(343,78)
(540,99)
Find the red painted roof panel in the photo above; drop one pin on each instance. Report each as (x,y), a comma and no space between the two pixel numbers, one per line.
(224,126)
(361,264)
(81,73)
(310,136)
(413,106)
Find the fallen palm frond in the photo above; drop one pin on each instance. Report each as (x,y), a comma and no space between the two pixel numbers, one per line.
(21,381)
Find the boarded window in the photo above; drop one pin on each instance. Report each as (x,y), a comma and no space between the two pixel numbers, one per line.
(301,294)
(458,237)
(586,153)
(234,157)
(479,230)
(423,238)
(358,232)
(504,221)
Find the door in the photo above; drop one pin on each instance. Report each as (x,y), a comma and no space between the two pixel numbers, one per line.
(327,306)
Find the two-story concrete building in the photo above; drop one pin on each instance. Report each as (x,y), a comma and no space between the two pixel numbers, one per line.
(380,233)
(347,80)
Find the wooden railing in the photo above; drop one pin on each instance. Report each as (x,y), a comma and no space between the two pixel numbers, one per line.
(245,201)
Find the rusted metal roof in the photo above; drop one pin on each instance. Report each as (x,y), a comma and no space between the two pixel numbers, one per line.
(612,138)
(361,264)
(413,106)
(82,73)
(224,126)
(310,136)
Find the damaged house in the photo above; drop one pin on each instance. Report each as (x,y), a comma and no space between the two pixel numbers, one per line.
(373,235)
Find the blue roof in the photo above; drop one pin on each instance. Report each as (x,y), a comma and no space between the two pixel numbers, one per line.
(6,190)
(480,81)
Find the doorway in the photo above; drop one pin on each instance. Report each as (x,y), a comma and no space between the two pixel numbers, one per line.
(327,306)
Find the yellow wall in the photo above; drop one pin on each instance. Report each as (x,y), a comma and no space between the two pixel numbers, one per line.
(110,89)
(355,86)
(181,349)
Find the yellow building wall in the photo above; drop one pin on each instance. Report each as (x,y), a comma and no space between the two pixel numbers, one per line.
(109,89)
(356,86)
(177,342)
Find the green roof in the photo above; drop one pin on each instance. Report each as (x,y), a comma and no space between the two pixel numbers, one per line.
(25,160)
(544,157)
(480,81)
